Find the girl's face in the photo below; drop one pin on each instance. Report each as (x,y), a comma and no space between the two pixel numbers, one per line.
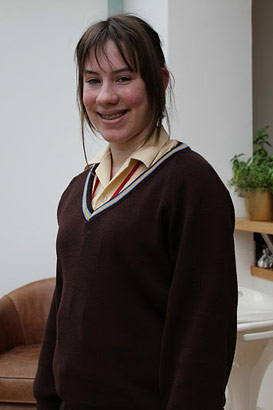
(115,98)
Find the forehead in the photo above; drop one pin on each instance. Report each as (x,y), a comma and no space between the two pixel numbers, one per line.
(105,58)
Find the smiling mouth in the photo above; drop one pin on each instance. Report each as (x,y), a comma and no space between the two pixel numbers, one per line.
(114,116)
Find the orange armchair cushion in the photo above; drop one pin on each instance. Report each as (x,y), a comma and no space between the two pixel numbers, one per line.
(17,371)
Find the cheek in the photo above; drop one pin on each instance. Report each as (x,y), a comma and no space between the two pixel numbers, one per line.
(88,98)
(136,98)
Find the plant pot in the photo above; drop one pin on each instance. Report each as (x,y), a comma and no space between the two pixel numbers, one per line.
(259,205)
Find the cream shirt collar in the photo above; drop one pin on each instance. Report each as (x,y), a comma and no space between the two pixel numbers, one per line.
(146,153)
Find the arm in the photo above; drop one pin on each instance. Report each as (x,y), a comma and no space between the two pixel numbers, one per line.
(200,327)
(44,383)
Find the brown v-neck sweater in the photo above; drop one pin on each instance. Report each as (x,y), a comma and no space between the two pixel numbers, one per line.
(144,312)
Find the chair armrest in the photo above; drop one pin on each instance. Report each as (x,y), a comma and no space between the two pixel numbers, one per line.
(11,334)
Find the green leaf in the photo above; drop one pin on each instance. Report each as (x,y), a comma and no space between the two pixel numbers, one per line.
(257,170)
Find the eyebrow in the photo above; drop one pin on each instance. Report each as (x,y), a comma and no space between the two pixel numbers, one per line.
(120,70)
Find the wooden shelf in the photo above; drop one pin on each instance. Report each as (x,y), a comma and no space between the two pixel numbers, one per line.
(262,273)
(244,224)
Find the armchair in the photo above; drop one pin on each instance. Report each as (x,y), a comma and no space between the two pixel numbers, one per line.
(23,315)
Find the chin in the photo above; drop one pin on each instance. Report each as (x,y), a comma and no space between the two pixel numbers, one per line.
(113,138)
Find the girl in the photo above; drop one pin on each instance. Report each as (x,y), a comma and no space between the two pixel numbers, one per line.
(144,311)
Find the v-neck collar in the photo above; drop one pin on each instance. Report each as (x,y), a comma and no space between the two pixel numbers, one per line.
(89,213)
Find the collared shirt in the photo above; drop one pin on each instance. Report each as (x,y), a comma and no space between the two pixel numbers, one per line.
(147,154)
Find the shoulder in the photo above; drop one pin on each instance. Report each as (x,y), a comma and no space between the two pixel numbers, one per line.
(191,163)
(195,180)
(74,191)
(196,193)
(191,168)
(77,181)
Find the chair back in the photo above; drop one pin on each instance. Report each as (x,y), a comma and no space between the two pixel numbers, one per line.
(29,307)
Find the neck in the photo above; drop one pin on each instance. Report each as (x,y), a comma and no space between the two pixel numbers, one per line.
(118,159)
(121,152)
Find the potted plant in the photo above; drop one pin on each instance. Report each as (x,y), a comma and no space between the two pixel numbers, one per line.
(253,179)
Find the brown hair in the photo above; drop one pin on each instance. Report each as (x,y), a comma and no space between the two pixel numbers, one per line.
(140,47)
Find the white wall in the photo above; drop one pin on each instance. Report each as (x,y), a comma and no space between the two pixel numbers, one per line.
(41,147)
(210,56)
(40,133)
(154,12)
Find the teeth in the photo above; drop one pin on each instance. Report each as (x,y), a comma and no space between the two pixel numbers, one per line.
(112,117)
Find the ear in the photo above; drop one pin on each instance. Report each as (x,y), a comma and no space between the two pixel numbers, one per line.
(165,76)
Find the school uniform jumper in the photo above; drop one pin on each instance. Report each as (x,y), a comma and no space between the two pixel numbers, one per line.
(144,312)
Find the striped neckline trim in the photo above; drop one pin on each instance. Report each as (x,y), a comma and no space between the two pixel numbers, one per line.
(86,212)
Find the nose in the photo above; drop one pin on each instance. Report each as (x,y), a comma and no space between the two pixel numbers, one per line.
(107,95)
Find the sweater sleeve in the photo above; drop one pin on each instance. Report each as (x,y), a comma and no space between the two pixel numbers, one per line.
(44,384)
(200,326)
